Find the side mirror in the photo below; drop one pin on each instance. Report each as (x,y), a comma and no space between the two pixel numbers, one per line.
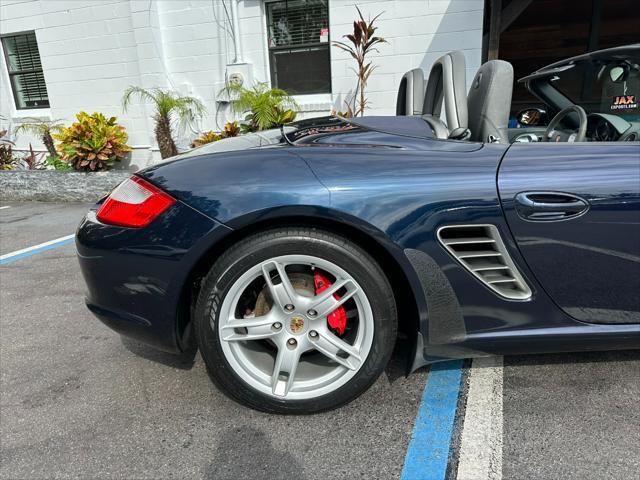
(532,117)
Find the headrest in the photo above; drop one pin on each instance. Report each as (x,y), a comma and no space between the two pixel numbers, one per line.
(489,101)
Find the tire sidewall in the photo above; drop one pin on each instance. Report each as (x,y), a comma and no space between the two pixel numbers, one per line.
(236,261)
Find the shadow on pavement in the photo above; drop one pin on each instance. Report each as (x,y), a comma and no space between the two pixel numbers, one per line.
(183,362)
(577,357)
(260,461)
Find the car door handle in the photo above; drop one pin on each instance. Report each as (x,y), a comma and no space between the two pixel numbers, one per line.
(549,206)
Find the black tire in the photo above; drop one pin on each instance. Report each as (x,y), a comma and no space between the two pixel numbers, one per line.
(283,241)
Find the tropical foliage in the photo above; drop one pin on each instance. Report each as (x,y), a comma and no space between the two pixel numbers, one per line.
(44,129)
(56,163)
(231,129)
(33,160)
(92,143)
(362,42)
(172,110)
(7,157)
(265,107)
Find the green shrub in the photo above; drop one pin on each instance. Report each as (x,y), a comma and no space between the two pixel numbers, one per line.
(231,129)
(94,142)
(57,163)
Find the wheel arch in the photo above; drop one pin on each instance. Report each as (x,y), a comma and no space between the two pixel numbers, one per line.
(409,302)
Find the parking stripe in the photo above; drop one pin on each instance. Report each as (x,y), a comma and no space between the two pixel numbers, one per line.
(4,207)
(480,454)
(428,452)
(42,247)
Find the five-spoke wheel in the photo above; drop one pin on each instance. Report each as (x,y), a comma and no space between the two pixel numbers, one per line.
(295,321)
(294,327)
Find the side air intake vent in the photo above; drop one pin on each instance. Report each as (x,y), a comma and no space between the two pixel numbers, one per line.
(480,250)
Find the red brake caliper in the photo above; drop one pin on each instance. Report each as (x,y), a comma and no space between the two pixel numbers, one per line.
(337,319)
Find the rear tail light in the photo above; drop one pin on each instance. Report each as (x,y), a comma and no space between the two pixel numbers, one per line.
(134,203)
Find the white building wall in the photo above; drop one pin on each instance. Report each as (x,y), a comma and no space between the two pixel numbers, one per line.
(417,32)
(92,50)
(89,56)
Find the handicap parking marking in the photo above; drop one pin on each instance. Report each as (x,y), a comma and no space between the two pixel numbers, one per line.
(428,453)
(480,452)
(41,247)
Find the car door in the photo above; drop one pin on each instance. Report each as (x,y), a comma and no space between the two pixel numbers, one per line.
(574,210)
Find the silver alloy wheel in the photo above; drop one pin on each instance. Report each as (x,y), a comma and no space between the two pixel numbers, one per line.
(295,325)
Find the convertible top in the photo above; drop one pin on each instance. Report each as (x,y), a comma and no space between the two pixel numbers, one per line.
(408,126)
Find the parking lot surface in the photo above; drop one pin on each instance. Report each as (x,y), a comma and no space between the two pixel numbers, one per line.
(77,401)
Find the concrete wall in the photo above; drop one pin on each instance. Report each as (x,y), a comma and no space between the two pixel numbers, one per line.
(92,50)
(51,186)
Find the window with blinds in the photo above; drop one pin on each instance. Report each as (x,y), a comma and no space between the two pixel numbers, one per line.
(298,35)
(25,71)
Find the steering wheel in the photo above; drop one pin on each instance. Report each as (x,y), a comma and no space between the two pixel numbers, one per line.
(553,135)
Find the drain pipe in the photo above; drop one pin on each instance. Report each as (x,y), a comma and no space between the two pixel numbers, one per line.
(237,37)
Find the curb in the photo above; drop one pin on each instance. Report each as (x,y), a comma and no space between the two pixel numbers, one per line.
(52,186)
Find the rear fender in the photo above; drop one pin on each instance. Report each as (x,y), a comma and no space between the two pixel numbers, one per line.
(409,295)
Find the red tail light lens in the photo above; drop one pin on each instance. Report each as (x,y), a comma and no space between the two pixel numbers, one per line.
(134,203)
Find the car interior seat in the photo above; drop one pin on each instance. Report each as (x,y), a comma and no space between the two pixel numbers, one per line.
(489,102)
(446,86)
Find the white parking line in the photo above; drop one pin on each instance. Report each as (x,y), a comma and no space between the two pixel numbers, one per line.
(41,247)
(480,455)
(5,206)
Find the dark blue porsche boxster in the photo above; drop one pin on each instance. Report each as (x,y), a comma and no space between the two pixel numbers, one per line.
(294,258)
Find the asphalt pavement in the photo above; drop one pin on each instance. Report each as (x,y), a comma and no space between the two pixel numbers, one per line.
(77,401)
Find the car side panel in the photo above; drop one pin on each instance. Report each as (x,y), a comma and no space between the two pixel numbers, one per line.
(408,195)
(589,263)
(400,196)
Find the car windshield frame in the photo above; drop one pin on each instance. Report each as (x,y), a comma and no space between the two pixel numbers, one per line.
(585,81)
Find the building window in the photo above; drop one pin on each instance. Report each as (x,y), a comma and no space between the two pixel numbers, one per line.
(298,34)
(25,71)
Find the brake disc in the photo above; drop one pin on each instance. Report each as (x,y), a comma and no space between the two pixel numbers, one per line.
(301,283)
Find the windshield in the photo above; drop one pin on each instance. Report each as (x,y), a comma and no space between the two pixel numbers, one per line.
(603,87)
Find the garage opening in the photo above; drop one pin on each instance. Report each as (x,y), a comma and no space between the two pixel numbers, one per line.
(533,33)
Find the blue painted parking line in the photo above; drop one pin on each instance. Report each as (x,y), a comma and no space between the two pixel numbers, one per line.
(428,452)
(42,247)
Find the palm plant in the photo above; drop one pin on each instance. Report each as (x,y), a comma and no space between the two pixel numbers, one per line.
(363,42)
(44,129)
(266,107)
(171,109)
